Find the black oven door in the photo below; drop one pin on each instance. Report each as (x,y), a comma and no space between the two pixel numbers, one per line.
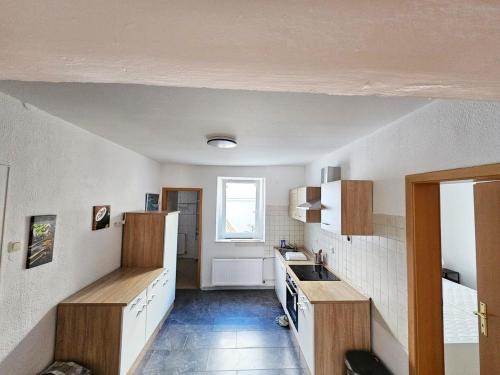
(291,303)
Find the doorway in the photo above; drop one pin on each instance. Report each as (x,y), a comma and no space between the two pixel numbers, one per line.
(425,291)
(459,278)
(188,201)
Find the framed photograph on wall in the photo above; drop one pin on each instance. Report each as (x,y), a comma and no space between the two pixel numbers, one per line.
(101,217)
(41,240)
(152,202)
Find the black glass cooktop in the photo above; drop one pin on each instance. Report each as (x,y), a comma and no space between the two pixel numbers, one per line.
(313,273)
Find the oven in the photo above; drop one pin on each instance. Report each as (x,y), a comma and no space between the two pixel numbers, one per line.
(291,300)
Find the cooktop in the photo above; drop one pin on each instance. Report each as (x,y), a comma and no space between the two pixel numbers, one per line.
(313,273)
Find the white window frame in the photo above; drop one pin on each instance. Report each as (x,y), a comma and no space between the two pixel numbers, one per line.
(259,234)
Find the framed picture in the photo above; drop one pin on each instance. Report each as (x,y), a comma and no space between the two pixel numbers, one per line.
(41,240)
(152,202)
(101,217)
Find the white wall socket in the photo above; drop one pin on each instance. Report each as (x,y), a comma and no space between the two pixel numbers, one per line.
(14,246)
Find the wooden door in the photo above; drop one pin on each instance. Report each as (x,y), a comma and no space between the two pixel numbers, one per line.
(487,219)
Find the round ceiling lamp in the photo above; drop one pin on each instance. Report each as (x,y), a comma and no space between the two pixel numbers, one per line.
(222,141)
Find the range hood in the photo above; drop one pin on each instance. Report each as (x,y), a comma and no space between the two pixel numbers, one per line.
(312,205)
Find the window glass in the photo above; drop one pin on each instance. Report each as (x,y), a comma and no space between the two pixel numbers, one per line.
(241,200)
(240,209)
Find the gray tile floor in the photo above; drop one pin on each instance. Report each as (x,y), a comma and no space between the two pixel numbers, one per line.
(224,332)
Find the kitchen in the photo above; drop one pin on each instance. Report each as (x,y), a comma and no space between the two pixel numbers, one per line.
(248,188)
(346,203)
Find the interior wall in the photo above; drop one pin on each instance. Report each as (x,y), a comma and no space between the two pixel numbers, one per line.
(58,168)
(279,180)
(458,234)
(4,177)
(440,135)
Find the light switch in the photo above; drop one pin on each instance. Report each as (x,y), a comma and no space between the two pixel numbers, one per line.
(14,246)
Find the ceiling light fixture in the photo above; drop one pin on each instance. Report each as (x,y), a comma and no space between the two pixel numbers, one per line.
(222,141)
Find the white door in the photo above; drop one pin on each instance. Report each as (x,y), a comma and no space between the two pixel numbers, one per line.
(280,275)
(306,330)
(133,332)
(170,263)
(155,304)
(331,202)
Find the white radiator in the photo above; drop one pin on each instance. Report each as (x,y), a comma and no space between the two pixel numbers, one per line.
(237,271)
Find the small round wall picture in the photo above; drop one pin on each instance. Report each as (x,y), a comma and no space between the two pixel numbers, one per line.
(101,217)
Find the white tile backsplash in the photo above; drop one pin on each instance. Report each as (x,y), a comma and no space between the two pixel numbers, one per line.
(375,265)
(279,226)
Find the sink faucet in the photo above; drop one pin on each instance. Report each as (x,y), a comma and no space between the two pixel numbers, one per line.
(318,257)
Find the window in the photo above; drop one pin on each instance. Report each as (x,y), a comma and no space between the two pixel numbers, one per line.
(240,209)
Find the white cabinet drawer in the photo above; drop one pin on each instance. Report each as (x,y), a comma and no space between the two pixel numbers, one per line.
(133,331)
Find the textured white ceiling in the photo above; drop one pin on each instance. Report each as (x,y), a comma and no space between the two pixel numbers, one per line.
(438,48)
(170,124)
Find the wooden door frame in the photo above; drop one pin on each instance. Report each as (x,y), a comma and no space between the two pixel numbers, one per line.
(423,239)
(164,199)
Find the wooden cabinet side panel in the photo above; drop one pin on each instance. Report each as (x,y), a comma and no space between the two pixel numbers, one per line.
(90,335)
(154,240)
(313,193)
(357,208)
(337,329)
(133,241)
(313,216)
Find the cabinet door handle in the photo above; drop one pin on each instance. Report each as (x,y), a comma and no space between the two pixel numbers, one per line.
(325,223)
(135,303)
(141,310)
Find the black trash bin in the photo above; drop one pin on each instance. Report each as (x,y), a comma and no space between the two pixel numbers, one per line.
(360,362)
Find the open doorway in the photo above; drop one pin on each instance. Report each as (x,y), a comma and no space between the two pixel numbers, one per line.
(425,285)
(459,278)
(188,201)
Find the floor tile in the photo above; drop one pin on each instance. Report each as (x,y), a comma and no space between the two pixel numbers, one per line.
(223,333)
(290,371)
(205,339)
(176,361)
(253,358)
(222,359)
(268,358)
(264,339)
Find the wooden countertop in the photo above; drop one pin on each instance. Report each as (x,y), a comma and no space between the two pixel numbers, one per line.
(119,287)
(324,291)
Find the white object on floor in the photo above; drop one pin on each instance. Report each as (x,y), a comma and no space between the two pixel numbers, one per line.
(295,256)
(237,271)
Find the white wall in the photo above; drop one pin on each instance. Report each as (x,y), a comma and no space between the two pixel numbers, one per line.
(441,135)
(458,234)
(279,180)
(57,168)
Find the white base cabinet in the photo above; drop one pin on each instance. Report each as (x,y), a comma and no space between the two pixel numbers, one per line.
(306,330)
(280,280)
(133,331)
(106,326)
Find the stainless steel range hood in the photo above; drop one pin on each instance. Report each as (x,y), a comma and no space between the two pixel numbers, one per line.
(313,205)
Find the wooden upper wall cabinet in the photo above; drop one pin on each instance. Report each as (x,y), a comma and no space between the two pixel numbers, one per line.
(302,195)
(146,236)
(347,207)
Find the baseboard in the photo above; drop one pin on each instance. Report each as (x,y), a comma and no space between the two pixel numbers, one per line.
(140,357)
